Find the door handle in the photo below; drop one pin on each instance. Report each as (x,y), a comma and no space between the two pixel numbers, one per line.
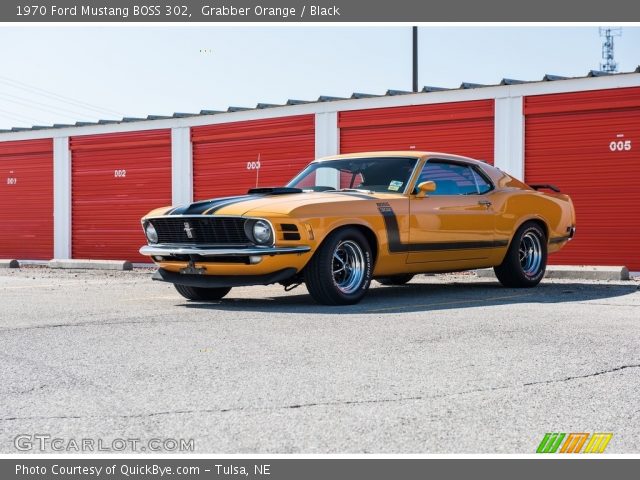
(486,203)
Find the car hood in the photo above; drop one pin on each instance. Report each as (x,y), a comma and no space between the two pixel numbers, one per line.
(266,203)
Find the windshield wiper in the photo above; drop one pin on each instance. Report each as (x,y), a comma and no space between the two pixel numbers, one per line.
(360,190)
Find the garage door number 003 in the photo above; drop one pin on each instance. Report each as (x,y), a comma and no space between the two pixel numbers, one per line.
(120,173)
(253,165)
(620,145)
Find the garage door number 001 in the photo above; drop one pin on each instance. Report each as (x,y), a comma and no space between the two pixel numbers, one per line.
(620,145)
(120,173)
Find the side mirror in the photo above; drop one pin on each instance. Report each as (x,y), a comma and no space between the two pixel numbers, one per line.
(425,187)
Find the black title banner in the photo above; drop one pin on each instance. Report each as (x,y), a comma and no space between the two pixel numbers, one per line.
(612,11)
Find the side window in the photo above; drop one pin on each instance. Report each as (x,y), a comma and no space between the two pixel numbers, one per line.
(483,185)
(450,178)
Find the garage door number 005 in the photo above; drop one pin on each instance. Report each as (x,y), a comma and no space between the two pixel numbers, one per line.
(620,145)
(120,173)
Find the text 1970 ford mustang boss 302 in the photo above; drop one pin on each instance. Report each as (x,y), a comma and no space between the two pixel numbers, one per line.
(348,219)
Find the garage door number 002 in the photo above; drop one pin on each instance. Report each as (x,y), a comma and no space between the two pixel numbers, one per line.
(120,173)
(620,145)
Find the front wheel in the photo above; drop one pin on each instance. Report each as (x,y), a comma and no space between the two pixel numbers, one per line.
(340,271)
(526,260)
(202,294)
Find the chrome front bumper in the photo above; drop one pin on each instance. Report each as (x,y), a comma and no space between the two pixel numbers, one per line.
(168,250)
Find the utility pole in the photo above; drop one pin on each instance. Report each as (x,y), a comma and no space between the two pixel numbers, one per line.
(415,59)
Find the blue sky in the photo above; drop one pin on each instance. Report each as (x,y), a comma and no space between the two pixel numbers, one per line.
(137,71)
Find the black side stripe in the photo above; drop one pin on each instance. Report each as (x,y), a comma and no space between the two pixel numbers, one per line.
(396,245)
(391,226)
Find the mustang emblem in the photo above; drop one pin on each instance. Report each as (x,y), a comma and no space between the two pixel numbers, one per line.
(188,230)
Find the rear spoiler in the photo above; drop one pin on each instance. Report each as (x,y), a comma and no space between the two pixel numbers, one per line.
(547,186)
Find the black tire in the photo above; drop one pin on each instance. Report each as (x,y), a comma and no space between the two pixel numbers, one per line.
(396,279)
(325,280)
(526,260)
(202,294)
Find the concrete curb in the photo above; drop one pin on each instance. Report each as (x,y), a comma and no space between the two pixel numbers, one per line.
(9,263)
(91,264)
(575,272)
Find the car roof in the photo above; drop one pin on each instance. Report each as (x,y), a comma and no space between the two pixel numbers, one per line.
(401,153)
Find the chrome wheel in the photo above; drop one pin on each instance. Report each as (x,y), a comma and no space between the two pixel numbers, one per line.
(339,273)
(524,264)
(530,254)
(348,266)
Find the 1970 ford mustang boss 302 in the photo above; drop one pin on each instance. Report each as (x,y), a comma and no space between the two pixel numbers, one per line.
(348,219)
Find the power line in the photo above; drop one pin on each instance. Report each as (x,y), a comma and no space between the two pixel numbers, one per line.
(19,118)
(55,108)
(47,93)
(16,114)
(49,109)
(25,118)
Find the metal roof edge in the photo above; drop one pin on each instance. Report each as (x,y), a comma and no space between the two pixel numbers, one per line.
(344,102)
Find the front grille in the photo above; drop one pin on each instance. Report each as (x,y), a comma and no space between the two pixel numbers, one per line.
(204,230)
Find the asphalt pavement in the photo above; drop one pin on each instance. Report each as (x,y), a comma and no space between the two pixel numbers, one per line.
(446,364)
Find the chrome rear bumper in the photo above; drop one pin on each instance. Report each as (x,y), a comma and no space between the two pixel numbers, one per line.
(168,250)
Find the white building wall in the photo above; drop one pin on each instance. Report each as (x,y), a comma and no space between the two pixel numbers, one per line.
(61,198)
(181,166)
(509,136)
(327,143)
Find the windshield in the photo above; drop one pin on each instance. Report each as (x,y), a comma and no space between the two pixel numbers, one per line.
(379,174)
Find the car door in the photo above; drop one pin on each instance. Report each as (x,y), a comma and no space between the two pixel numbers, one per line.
(456,221)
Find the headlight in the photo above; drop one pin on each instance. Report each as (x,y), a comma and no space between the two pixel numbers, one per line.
(150,232)
(262,233)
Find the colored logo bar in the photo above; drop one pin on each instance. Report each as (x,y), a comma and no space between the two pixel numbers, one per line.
(573,442)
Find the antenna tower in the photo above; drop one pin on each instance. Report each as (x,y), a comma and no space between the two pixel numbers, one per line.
(608,63)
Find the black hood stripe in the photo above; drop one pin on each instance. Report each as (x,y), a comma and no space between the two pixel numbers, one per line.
(210,206)
(230,201)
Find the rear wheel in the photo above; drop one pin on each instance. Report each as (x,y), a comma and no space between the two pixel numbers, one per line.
(396,279)
(526,260)
(340,271)
(201,293)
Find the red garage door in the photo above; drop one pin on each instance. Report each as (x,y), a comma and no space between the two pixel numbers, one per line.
(116,179)
(588,144)
(230,158)
(26,199)
(463,128)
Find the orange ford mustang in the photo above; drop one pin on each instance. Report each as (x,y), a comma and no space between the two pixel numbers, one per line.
(348,219)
